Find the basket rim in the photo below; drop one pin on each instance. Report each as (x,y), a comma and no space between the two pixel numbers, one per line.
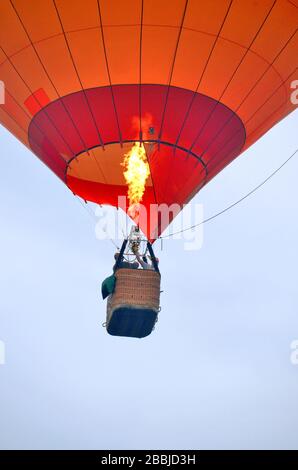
(138,271)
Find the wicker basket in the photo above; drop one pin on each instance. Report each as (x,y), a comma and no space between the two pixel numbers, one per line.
(137,290)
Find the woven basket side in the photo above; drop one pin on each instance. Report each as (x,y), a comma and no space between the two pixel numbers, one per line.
(136,288)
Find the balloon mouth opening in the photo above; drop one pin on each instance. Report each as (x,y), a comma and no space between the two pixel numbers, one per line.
(103,173)
(121,176)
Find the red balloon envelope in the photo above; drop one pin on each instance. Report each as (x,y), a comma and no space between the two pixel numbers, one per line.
(197,81)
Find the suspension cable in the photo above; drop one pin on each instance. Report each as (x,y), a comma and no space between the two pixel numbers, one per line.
(93,217)
(226,209)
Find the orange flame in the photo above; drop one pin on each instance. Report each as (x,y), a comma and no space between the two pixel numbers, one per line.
(136,173)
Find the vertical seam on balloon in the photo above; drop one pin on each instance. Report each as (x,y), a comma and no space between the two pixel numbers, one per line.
(152,179)
(233,74)
(83,90)
(140,97)
(172,70)
(204,70)
(108,72)
(226,87)
(77,73)
(140,71)
(255,112)
(169,86)
(32,122)
(47,74)
(37,145)
(39,104)
(250,91)
(235,148)
(196,90)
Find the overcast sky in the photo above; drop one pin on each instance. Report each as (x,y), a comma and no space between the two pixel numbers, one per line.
(216,372)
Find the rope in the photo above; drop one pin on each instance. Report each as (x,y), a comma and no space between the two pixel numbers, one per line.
(92,215)
(217,214)
(256,188)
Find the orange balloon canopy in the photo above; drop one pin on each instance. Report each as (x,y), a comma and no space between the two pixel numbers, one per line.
(196,81)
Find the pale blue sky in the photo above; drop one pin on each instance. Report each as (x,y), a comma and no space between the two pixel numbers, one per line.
(216,373)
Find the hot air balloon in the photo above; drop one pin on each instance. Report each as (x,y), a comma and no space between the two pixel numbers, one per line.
(193,82)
